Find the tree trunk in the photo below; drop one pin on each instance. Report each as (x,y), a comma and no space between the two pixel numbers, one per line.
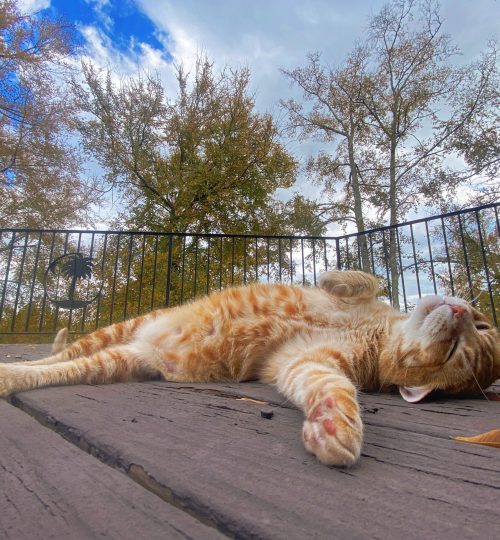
(358,210)
(393,243)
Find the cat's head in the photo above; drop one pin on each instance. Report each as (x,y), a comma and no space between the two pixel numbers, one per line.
(446,345)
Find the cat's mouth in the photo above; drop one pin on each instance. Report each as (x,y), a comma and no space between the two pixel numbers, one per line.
(453,350)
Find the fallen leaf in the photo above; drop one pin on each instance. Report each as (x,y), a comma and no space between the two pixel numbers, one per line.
(490,438)
(250,400)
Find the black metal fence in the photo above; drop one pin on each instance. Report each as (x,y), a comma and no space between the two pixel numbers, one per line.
(88,279)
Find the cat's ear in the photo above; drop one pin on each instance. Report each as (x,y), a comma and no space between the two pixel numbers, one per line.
(412,394)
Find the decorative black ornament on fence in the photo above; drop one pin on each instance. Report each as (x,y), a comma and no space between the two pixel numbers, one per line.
(66,274)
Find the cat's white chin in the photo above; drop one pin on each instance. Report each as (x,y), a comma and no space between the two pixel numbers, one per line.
(439,319)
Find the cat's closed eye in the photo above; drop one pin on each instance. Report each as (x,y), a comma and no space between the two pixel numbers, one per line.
(480,325)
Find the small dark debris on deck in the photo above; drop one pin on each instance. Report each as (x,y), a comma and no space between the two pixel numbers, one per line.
(267,413)
(372,410)
(163,460)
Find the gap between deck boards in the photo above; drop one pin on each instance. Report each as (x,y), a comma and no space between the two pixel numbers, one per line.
(134,471)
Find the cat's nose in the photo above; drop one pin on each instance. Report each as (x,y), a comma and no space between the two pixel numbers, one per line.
(457,310)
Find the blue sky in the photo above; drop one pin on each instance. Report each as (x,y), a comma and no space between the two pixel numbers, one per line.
(121,20)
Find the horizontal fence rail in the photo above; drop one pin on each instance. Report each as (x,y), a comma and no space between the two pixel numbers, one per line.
(88,279)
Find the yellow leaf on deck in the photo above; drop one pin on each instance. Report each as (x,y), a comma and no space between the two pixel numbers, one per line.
(250,400)
(490,438)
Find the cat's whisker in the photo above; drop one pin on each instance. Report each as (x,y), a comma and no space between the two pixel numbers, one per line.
(473,300)
(494,392)
(475,379)
(386,377)
(406,375)
(284,402)
(384,380)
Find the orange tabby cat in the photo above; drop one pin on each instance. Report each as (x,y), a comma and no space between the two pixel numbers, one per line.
(314,344)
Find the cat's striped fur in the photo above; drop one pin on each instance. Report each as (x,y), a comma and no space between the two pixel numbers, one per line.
(316,345)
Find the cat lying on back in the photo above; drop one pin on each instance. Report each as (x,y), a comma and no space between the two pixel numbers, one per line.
(316,345)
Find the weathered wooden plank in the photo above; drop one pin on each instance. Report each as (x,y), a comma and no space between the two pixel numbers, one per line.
(51,489)
(215,455)
(16,352)
(410,429)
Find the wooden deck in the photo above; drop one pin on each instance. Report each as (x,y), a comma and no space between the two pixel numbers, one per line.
(161,460)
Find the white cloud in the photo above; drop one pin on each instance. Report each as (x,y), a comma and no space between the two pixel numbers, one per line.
(262,36)
(266,36)
(99,7)
(139,56)
(32,6)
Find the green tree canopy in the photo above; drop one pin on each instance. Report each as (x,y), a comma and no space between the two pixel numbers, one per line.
(202,161)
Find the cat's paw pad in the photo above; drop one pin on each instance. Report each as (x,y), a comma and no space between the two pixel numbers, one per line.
(333,430)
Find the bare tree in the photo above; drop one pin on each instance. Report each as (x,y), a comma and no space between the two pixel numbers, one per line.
(336,114)
(411,81)
(476,137)
(396,112)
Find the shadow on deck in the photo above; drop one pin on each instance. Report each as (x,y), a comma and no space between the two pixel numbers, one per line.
(162,460)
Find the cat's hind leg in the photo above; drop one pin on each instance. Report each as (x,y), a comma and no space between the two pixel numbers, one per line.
(349,284)
(114,364)
(315,381)
(115,334)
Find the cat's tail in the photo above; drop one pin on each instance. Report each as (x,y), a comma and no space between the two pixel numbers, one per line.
(60,341)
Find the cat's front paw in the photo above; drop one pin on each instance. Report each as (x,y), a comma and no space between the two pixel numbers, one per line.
(333,430)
